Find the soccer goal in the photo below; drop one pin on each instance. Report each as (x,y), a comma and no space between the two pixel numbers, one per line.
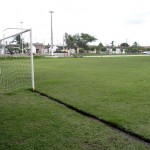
(16,62)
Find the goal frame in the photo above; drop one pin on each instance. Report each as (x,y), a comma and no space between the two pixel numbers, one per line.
(31,53)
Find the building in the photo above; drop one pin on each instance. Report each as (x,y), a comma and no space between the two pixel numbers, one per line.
(40,47)
(115,50)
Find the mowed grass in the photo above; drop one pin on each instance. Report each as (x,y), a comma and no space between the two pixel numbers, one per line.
(29,121)
(115,89)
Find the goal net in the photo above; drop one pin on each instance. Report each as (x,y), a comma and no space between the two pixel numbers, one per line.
(16,62)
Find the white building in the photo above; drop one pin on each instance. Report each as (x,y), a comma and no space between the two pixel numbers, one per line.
(117,50)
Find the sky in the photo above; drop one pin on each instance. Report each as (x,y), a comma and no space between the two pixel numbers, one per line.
(107,20)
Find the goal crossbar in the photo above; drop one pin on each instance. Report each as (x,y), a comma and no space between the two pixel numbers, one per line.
(30,30)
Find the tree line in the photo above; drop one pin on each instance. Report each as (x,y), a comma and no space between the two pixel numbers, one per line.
(82,43)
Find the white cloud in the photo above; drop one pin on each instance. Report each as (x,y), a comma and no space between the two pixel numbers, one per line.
(139,18)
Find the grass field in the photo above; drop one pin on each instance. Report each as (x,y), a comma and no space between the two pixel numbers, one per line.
(30,122)
(15,73)
(115,89)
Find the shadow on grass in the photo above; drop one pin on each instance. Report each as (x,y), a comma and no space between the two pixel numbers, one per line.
(108,123)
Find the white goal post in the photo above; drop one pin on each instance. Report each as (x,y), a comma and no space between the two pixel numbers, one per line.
(16,64)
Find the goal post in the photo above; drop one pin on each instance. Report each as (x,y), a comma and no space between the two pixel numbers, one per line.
(16,62)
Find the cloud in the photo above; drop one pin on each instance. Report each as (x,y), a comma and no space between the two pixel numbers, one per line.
(139,18)
(136,21)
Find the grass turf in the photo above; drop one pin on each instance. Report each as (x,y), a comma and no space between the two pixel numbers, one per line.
(115,89)
(29,121)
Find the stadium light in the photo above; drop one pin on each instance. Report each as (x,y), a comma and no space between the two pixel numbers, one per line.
(51,33)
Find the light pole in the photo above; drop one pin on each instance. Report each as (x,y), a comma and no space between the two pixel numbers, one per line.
(51,33)
(22,38)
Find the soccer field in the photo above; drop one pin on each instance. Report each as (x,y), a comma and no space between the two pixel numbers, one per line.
(29,121)
(114,89)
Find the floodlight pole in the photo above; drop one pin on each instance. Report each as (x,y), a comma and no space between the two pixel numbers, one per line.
(22,38)
(51,33)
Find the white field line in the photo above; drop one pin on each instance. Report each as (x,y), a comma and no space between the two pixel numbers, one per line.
(52,56)
(113,56)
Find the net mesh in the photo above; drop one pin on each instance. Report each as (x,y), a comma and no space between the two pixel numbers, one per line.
(15,63)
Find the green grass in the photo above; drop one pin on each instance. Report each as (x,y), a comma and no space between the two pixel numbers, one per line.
(29,121)
(15,73)
(115,89)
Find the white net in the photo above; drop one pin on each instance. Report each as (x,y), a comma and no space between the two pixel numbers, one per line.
(15,63)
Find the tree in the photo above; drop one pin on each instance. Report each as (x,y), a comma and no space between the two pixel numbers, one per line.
(135,47)
(70,41)
(124,45)
(86,38)
(113,49)
(135,44)
(79,40)
(112,44)
(92,47)
(83,40)
(103,49)
(100,47)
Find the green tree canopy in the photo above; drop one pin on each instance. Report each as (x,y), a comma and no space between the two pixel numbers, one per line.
(125,45)
(79,40)
(134,48)
(100,47)
(70,41)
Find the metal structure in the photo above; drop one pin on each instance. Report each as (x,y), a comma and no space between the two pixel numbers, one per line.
(51,32)
(31,53)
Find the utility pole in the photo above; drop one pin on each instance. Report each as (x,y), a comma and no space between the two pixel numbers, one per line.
(22,38)
(51,33)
